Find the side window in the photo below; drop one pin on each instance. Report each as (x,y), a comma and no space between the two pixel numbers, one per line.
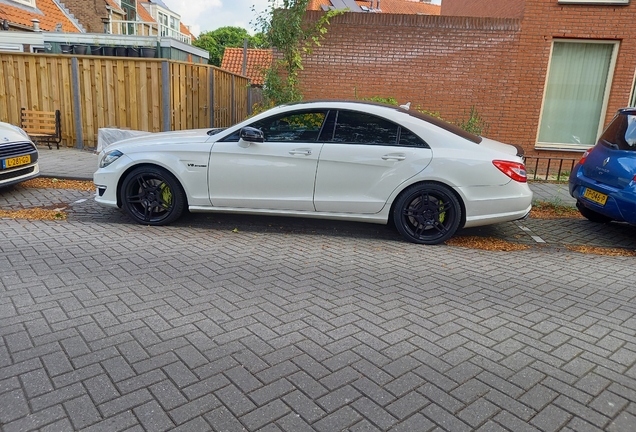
(297,126)
(361,128)
(409,139)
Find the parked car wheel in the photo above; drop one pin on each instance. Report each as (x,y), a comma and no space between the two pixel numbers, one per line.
(152,196)
(591,215)
(427,214)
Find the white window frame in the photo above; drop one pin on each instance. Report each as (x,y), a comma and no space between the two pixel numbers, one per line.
(26,2)
(595,2)
(608,86)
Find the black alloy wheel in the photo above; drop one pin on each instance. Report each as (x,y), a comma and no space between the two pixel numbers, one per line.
(427,213)
(152,196)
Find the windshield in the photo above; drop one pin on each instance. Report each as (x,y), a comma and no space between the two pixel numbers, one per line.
(621,133)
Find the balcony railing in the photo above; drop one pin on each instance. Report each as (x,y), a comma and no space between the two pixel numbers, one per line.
(143,28)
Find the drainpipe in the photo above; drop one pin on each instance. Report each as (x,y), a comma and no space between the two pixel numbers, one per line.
(244,57)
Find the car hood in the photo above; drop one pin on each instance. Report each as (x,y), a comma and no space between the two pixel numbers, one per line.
(501,147)
(158,138)
(11,133)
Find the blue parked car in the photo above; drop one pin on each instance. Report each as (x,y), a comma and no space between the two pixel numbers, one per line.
(604,180)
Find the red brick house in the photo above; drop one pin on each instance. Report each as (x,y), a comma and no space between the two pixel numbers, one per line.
(545,74)
(18,15)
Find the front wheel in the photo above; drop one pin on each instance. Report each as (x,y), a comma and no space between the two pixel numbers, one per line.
(591,215)
(427,214)
(152,196)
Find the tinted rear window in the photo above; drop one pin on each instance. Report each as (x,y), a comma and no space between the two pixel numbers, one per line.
(621,132)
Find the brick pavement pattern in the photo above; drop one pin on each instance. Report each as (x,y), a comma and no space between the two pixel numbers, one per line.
(292,325)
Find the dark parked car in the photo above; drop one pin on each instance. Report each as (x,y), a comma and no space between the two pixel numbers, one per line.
(604,180)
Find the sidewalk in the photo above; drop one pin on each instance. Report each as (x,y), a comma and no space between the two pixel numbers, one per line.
(71,163)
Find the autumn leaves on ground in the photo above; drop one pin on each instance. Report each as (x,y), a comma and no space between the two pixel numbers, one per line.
(540,210)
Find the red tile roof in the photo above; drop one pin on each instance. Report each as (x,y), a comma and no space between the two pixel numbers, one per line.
(185,30)
(257,61)
(388,6)
(143,14)
(51,15)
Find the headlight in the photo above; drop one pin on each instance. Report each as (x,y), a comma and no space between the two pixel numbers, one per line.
(109,158)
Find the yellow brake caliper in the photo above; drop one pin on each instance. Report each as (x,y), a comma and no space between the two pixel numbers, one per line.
(166,195)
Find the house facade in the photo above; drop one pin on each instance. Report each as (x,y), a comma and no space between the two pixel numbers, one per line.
(97,27)
(545,74)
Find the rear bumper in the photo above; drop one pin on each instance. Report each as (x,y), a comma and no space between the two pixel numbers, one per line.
(620,205)
(494,204)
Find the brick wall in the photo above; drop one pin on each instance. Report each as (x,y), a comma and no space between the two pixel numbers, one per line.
(449,63)
(484,8)
(89,13)
(442,64)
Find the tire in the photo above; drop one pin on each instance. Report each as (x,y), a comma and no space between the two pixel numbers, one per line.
(591,215)
(427,213)
(152,196)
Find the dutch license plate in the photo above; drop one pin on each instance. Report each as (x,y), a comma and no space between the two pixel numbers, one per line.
(597,197)
(16,161)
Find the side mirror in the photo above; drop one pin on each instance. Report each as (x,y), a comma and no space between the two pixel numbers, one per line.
(249,135)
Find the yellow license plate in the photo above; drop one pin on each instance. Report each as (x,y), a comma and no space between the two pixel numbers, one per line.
(597,197)
(16,161)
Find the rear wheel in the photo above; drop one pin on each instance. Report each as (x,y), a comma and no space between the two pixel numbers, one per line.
(152,196)
(591,215)
(427,214)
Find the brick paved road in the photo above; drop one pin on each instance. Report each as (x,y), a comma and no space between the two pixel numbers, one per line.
(305,325)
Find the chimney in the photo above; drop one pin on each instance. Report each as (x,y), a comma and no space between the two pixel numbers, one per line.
(36,24)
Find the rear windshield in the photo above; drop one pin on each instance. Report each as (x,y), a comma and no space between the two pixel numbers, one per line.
(621,133)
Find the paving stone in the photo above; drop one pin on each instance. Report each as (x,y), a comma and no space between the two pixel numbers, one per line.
(153,418)
(339,420)
(624,422)
(374,413)
(167,394)
(82,412)
(13,405)
(223,420)
(407,405)
(189,411)
(478,412)
(265,414)
(234,399)
(295,324)
(551,418)
(338,398)
(538,397)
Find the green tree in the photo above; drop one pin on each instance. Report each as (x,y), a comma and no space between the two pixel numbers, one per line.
(216,41)
(292,36)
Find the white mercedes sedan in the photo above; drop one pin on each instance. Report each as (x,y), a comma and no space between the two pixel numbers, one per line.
(346,160)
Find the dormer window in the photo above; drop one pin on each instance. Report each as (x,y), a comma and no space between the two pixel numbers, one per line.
(26,2)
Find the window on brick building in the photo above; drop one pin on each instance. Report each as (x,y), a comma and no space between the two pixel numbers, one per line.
(576,92)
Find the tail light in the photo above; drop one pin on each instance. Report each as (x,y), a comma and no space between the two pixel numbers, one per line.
(514,170)
(585,155)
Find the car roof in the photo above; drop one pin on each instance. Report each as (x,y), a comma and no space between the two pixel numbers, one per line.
(413,113)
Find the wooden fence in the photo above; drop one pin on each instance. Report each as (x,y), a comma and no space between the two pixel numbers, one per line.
(92,92)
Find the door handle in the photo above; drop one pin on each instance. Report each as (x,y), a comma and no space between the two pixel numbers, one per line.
(305,152)
(397,157)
